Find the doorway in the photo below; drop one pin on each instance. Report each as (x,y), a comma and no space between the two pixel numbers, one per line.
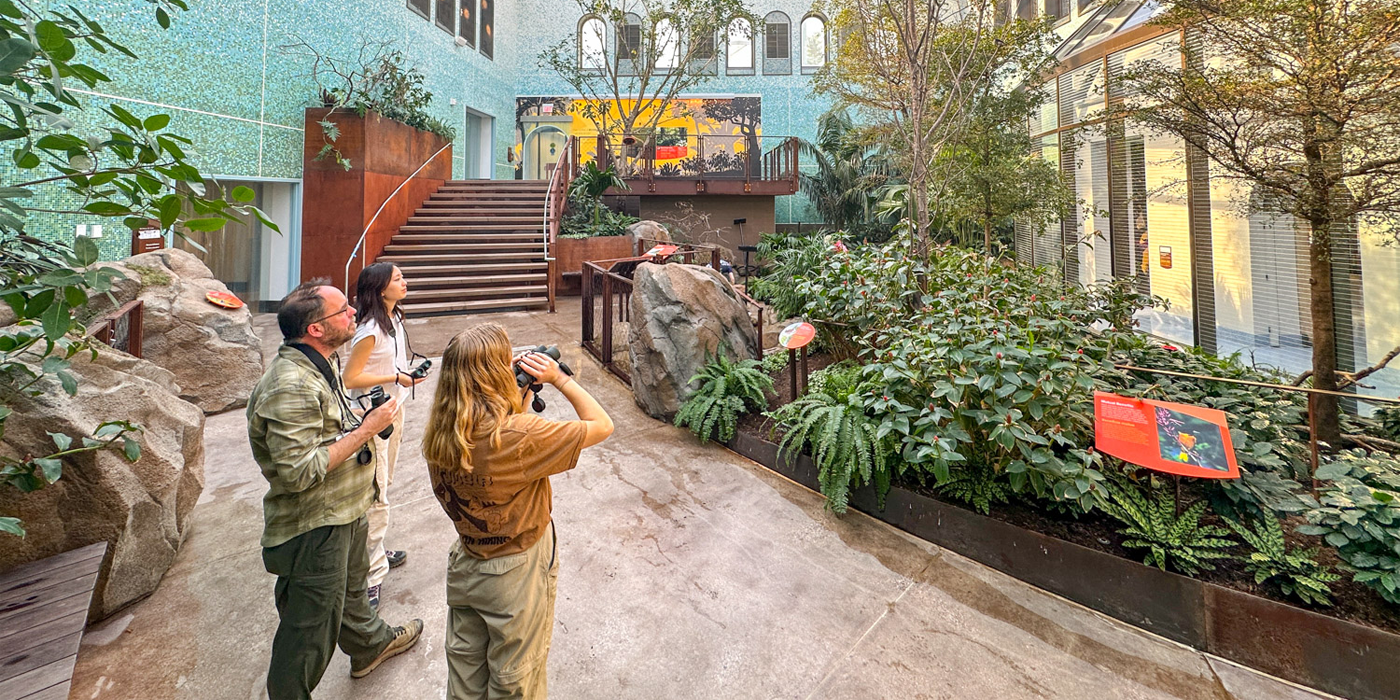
(542,149)
(478,146)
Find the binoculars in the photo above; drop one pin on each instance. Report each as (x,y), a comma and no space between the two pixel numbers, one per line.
(376,398)
(525,381)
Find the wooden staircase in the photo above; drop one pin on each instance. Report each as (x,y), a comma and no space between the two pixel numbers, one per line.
(475,245)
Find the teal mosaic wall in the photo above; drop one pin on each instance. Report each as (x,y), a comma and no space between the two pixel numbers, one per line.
(221,73)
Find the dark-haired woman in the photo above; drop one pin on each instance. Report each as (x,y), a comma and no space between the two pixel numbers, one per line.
(490,464)
(379,357)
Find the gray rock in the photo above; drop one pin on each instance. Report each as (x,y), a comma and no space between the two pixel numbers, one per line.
(682,315)
(213,352)
(140,509)
(649,230)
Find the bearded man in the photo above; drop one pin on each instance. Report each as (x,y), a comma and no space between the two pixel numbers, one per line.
(318,460)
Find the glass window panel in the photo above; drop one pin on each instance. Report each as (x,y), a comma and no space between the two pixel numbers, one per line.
(466,22)
(487,17)
(776,43)
(592,38)
(422,7)
(1081,94)
(446,15)
(813,42)
(668,45)
(740,45)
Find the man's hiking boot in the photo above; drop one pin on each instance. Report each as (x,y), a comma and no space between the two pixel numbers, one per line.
(404,639)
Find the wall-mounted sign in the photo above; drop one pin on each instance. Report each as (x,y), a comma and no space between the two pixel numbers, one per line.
(1167,437)
(797,335)
(1164,255)
(661,251)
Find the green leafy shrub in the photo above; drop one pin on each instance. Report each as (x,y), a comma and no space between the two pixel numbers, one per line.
(1388,418)
(1359,514)
(727,390)
(1177,541)
(584,220)
(775,360)
(1298,573)
(838,380)
(849,447)
(978,486)
(789,257)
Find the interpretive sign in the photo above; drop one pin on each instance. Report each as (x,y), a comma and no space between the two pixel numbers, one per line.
(1166,437)
(797,335)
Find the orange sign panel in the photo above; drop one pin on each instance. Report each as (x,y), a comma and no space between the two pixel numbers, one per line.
(1167,437)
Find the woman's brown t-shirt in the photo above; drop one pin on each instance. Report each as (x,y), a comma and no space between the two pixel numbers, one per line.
(502,506)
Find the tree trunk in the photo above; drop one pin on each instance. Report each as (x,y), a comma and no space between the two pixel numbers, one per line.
(1324,333)
(987,235)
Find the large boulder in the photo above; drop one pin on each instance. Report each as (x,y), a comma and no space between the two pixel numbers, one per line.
(213,352)
(682,315)
(140,509)
(649,230)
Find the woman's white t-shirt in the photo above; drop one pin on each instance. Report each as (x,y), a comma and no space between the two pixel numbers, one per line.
(390,353)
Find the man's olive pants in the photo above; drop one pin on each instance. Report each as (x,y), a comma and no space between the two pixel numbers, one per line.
(321,600)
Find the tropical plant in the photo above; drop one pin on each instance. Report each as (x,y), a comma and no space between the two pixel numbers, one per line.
(1297,573)
(132,169)
(583,220)
(1359,514)
(727,390)
(977,485)
(789,256)
(589,185)
(1172,537)
(775,360)
(848,445)
(847,175)
(1388,418)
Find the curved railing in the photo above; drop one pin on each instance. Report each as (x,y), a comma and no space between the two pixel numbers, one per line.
(555,199)
(361,243)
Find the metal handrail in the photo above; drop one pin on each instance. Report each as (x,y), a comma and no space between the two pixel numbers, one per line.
(372,219)
(553,209)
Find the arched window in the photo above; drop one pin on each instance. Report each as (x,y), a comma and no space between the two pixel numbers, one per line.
(739,53)
(703,55)
(629,45)
(777,44)
(813,43)
(592,44)
(668,45)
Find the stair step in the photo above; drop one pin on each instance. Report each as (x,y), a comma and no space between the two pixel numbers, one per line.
(477,185)
(463,258)
(473,305)
(466,237)
(457,195)
(420,295)
(463,281)
(415,272)
(513,220)
(537,230)
(500,246)
(480,211)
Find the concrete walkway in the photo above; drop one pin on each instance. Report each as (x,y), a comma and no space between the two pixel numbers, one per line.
(687,572)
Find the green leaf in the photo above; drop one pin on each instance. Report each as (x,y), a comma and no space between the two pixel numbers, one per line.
(132,449)
(156,122)
(162,18)
(50,468)
(53,41)
(26,159)
(69,382)
(11,526)
(62,440)
(169,209)
(56,320)
(206,224)
(86,251)
(243,193)
(14,53)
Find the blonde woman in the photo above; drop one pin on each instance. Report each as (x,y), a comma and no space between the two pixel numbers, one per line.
(490,464)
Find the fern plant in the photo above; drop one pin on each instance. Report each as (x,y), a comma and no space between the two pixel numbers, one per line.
(727,390)
(845,443)
(1178,541)
(1298,573)
(977,485)
(775,360)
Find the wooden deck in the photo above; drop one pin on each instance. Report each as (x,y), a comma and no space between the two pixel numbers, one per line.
(43,610)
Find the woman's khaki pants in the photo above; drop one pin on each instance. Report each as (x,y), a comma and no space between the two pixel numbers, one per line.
(387,452)
(499,623)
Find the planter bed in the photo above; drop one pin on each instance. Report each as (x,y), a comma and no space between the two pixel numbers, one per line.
(1352,649)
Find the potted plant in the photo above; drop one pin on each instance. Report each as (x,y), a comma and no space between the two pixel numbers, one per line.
(590,230)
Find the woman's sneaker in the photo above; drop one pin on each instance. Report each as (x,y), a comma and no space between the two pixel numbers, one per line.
(404,639)
(373,593)
(396,557)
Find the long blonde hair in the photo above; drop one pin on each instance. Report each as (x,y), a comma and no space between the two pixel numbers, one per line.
(476,393)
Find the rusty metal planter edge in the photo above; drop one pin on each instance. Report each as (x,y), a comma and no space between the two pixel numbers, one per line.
(1326,653)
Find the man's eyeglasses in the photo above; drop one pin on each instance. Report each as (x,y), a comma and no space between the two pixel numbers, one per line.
(328,316)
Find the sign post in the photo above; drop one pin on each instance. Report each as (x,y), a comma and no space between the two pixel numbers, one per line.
(795,336)
(147,238)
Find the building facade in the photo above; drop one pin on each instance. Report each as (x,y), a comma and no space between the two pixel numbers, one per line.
(1235,279)
(231,75)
